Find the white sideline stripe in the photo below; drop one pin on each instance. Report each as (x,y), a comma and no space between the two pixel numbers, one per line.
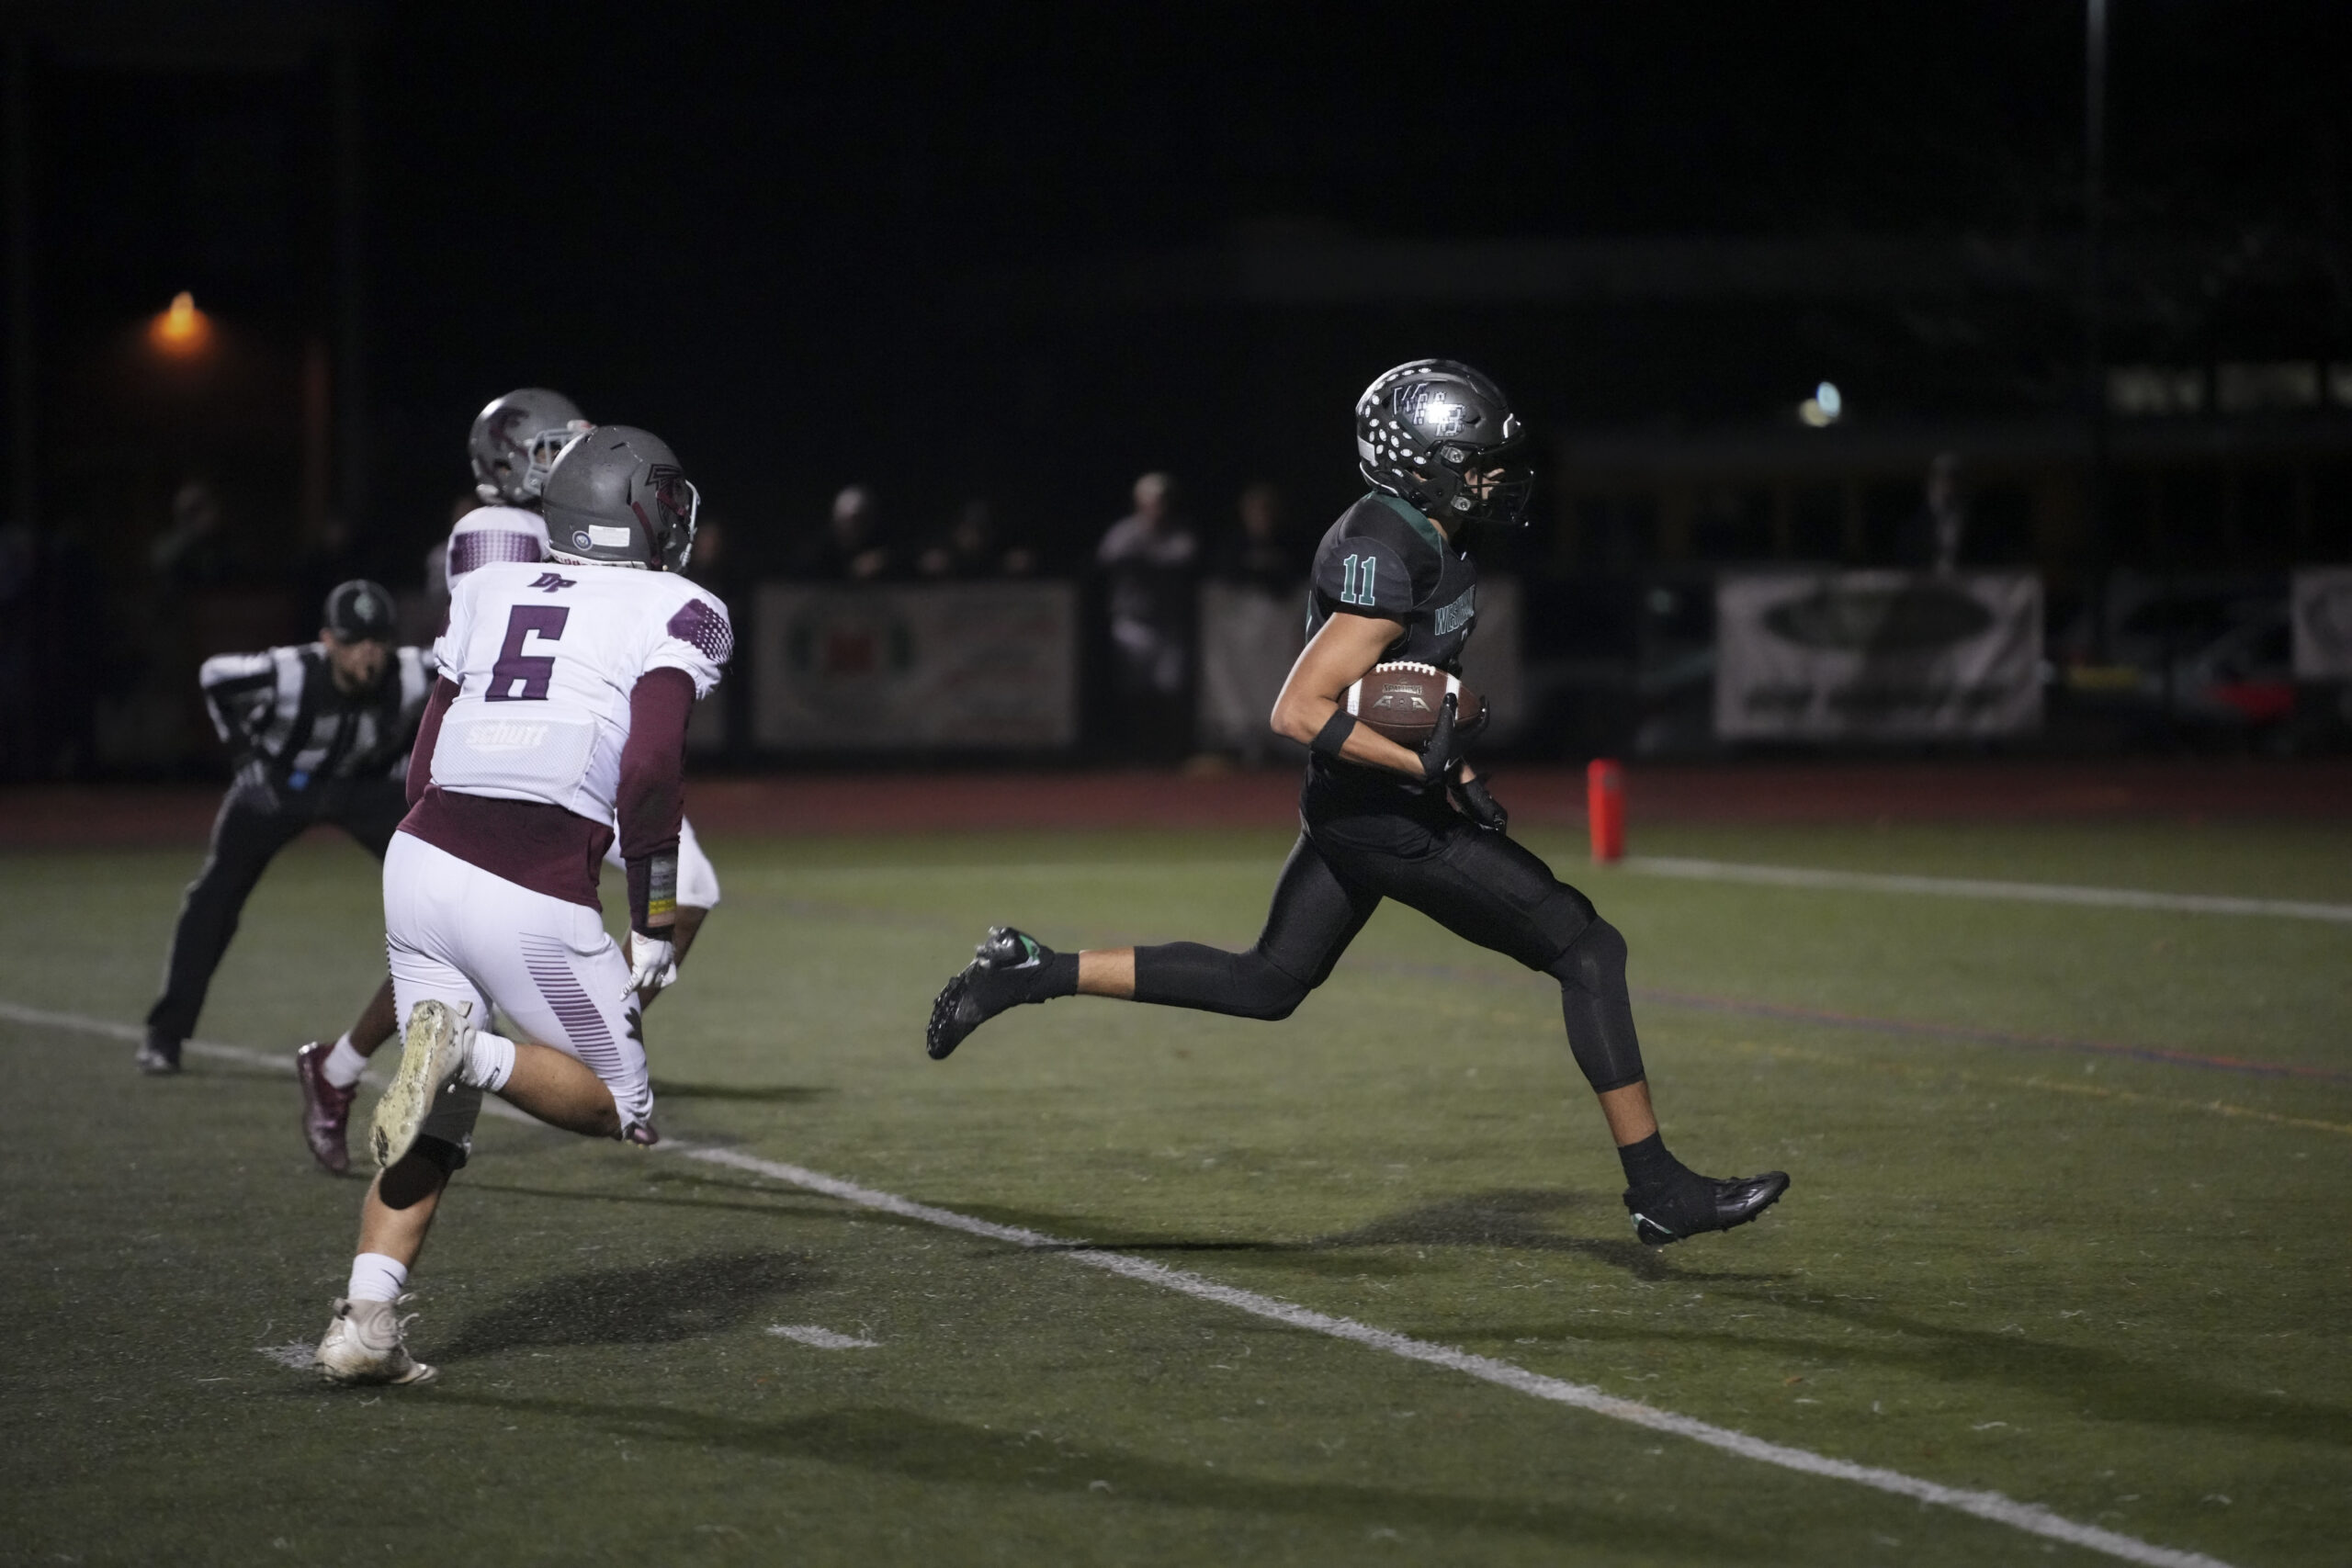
(1978,887)
(245,1055)
(823,1338)
(2030,1518)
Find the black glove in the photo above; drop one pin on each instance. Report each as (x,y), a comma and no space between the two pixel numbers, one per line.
(1479,804)
(1443,750)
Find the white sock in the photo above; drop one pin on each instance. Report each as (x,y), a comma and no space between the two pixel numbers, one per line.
(376,1277)
(490,1061)
(343,1064)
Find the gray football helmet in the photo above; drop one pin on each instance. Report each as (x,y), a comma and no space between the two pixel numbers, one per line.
(616,497)
(516,440)
(1440,437)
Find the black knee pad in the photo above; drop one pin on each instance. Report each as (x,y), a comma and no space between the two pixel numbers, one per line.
(1595,960)
(1598,1009)
(1264,989)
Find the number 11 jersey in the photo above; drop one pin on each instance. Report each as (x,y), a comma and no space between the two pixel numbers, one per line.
(544,657)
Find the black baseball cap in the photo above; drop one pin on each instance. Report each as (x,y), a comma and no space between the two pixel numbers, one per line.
(360,611)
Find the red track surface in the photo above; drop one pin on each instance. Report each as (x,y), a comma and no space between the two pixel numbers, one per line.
(828,803)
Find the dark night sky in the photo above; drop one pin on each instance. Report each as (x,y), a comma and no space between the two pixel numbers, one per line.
(830,242)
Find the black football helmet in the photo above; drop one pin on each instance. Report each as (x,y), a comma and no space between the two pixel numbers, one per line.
(515,441)
(1440,437)
(616,497)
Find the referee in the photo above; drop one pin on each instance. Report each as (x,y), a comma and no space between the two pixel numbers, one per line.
(321,733)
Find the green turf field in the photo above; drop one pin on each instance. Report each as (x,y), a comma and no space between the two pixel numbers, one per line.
(2115,1287)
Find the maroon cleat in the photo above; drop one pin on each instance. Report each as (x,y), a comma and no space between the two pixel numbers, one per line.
(326,1110)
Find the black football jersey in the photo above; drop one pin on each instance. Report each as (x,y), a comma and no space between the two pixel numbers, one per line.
(1384,558)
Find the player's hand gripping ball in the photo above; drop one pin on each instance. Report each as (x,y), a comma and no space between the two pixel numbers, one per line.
(1402,702)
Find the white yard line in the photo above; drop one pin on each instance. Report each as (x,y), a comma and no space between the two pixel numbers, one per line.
(2030,1518)
(1979,887)
(821,1338)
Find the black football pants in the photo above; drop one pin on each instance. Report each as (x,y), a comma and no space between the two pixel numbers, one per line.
(1361,847)
(247,836)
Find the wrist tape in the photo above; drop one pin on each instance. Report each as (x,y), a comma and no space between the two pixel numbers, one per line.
(1334,733)
(653,895)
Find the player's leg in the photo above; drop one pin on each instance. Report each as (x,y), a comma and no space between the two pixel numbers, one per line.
(329,1071)
(243,841)
(550,967)
(1493,891)
(329,1074)
(1315,913)
(365,1341)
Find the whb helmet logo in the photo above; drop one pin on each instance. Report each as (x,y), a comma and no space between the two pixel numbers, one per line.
(580,539)
(1430,409)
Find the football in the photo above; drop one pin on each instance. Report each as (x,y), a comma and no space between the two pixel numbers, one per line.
(1402,701)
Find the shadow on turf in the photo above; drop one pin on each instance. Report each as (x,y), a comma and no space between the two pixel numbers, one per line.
(653,1303)
(755,1094)
(773,1201)
(1520,1219)
(916,1447)
(2097,1383)
(2102,1383)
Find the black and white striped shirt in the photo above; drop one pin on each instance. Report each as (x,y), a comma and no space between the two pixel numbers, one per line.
(291,727)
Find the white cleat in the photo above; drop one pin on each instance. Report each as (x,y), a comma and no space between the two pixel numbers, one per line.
(363,1344)
(431,1052)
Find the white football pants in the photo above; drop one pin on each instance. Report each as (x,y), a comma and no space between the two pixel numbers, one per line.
(455,933)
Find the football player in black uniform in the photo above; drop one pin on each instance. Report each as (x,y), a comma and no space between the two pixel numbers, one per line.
(1443,451)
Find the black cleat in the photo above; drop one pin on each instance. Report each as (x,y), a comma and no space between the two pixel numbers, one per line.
(1003,974)
(1694,1203)
(158,1055)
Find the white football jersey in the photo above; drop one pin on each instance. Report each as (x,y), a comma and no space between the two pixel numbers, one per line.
(544,657)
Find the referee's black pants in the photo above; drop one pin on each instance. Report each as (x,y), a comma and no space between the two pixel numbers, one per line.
(1361,844)
(247,835)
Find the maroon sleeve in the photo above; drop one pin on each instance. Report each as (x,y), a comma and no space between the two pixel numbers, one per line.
(428,734)
(653,763)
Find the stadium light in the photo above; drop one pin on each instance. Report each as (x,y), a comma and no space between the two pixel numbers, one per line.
(182,330)
(1823,408)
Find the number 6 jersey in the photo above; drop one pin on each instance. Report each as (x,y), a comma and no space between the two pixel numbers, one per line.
(545,657)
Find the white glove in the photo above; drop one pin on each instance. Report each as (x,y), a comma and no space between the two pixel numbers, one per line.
(652,963)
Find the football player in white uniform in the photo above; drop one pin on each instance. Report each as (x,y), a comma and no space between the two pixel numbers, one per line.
(515,441)
(561,705)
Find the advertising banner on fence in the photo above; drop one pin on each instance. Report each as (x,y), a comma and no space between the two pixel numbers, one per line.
(839,667)
(1876,655)
(2323,611)
(1249,638)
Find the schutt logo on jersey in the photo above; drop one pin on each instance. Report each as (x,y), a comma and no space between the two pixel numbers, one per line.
(554,583)
(498,735)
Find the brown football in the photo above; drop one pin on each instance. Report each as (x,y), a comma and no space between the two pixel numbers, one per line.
(1401,701)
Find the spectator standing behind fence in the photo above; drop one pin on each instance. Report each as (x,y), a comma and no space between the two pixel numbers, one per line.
(1150,564)
(973,551)
(851,549)
(1935,538)
(1251,628)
